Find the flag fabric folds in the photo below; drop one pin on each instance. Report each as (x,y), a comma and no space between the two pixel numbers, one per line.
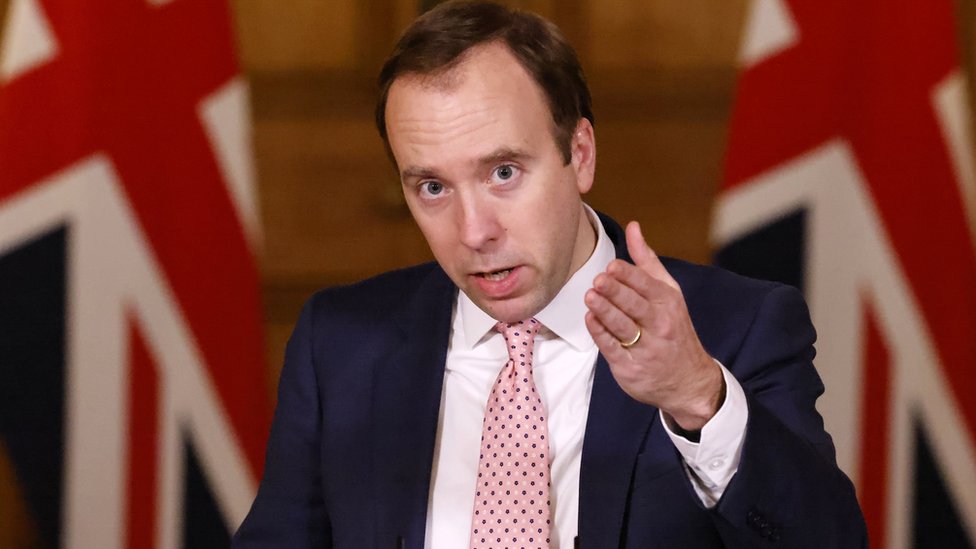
(850,174)
(133,407)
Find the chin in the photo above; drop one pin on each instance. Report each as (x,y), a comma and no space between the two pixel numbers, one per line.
(510,319)
(513,312)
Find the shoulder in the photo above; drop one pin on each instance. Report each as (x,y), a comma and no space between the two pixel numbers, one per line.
(726,307)
(709,282)
(385,295)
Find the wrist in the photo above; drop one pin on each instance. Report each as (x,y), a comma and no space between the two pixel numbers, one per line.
(705,397)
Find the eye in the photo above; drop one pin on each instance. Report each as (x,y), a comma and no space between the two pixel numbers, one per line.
(431,188)
(505,172)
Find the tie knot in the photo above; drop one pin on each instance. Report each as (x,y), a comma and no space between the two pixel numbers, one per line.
(519,337)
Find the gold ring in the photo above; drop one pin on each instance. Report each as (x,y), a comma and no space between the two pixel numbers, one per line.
(632,342)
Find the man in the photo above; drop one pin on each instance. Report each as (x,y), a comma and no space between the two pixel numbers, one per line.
(652,403)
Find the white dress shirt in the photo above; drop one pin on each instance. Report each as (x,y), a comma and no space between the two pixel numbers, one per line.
(563,367)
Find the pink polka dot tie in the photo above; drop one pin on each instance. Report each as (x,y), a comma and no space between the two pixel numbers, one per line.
(511,508)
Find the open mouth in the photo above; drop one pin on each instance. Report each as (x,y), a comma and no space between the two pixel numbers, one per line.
(496,275)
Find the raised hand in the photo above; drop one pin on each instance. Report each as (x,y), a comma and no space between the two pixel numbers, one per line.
(638,319)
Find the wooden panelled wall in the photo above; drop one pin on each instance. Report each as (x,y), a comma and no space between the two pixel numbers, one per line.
(662,74)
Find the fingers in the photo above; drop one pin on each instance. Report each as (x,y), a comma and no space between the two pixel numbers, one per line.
(629,289)
(644,257)
(627,298)
(639,251)
(608,343)
(611,318)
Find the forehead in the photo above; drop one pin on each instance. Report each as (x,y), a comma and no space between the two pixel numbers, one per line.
(479,65)
(488,87)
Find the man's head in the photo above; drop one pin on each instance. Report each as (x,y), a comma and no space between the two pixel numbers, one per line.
(484,170)
(438,40)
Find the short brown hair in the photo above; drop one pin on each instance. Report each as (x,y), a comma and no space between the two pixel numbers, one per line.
(436,41)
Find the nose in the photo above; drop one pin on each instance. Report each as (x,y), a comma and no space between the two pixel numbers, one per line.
(478,223)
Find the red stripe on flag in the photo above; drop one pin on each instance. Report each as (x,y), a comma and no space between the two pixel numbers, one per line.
(143,443)
(875,428)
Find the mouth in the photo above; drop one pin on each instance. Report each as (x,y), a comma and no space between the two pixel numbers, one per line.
(499,283)
(495,276)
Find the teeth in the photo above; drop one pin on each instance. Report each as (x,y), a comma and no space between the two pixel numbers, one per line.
(498,275)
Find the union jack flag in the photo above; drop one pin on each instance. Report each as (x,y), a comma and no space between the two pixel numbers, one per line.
(850,174)
(133,408)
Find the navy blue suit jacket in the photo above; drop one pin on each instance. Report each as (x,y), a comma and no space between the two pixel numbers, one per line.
(349,457)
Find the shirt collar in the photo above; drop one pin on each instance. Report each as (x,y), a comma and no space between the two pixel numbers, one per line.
(564,314)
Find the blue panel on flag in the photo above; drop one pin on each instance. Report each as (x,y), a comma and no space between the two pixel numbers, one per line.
(203,525)
(32,368)
(774,252)
(937,524)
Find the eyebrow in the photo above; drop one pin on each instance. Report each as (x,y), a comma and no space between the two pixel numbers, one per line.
(498,155)
(501,154)
(417,172)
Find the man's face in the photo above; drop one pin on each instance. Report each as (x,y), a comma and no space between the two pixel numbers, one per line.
(486,183)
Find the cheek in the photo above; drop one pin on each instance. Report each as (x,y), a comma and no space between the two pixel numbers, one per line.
(561,206)
(436,238)
(446,249)
(439,241)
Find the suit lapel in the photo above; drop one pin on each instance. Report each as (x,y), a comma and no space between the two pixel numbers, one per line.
(616,428)
(407,392)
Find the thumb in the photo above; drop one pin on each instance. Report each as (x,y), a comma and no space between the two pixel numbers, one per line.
(644,257)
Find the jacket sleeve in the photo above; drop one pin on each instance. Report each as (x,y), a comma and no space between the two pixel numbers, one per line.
(788,490)
(289,510)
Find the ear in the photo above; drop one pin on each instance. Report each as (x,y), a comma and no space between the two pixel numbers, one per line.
(582,148)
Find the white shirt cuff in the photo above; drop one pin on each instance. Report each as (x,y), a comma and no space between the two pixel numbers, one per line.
(713,461)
